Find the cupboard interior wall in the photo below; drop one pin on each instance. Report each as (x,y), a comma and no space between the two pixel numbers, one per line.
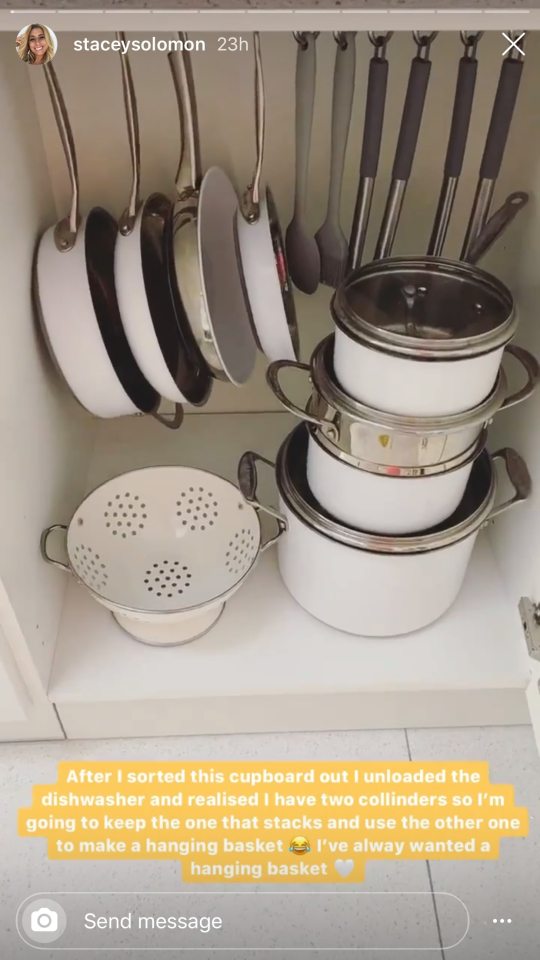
(47,440)
(45,437)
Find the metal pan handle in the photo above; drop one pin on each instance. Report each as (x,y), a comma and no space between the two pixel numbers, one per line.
(127,220)
(273,380)
(188,175)
(247,481)
(65,233)
(251,198)
(519,477)
(43,546)
(532,369)
(166,421)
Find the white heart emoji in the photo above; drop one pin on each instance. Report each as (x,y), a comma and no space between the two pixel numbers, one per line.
(344,867)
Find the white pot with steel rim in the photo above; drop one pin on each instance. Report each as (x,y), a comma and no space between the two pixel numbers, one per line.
(369,585)
(382,503)
(421,336)
(392,444)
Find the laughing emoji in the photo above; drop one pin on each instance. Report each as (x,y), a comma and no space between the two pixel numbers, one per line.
(299,846)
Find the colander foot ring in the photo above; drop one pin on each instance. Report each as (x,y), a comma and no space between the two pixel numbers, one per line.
(170,634)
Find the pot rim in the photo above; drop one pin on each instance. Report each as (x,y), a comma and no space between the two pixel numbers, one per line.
(419,348)
(397,472)
(320,521)
(325,383)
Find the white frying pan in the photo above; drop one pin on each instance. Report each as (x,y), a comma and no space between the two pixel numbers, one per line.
(262,249)
(206,273)
(163,347)
(77,300)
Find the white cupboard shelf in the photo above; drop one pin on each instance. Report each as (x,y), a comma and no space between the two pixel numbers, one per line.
(267,664)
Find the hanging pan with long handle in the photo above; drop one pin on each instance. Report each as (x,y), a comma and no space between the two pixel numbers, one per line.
(301,247)
(78,303)
(371,146)
(264,264)
(407,140)
(499,128)
(457,141)
(205,270)
(161,343)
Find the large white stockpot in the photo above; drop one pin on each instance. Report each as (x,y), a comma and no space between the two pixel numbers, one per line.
(377,586)
(381,503)
(421,336)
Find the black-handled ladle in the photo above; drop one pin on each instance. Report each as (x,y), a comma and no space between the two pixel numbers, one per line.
(499,127)
(457,141)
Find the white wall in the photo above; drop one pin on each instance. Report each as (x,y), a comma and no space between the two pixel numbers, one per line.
(44,436)
(92,87)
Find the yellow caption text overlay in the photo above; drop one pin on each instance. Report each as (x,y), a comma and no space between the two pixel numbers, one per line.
(273,822)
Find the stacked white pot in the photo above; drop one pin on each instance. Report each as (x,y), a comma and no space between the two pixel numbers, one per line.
(388,481)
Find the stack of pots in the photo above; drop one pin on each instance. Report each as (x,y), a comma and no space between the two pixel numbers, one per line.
(387,482)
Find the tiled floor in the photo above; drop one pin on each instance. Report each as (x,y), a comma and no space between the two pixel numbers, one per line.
(507,888)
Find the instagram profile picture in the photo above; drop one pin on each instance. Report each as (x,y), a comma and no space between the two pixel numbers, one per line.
(36,44)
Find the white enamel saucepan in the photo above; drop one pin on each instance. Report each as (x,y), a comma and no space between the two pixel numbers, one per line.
(369,585)
(384,473)
(163,548)
(78,303)
(161,341)
(262,248)
(206,273)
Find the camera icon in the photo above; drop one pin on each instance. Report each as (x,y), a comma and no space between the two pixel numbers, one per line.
(41,920)
(44,921)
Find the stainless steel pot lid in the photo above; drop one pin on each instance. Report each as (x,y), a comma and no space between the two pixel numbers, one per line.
(325,383)
(473,510)
(425,307)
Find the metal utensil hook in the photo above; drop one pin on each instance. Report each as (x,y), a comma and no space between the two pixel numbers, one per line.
(302,37)
(470,41)
(423,41)
(380,42)
(341,39)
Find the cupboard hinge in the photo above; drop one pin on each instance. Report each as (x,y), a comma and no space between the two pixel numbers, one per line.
(530,618)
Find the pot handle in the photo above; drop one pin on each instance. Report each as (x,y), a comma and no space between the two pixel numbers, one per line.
(166,421)
(127,220)
(188,174)
(247,481)
(65,233)
(272,378)
(519,477)
(532,369)
(250,201)
(43,546)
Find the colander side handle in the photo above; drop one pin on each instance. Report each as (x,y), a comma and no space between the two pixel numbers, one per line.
(43,546)
(247,481)
(166,421)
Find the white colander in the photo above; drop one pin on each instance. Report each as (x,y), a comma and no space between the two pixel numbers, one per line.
(163,548)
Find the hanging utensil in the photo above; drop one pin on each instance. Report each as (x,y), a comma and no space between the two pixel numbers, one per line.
(331,240)
(206,273)
(301,247)
(164,349)
(371,145)
(262,252)
(499,128)
(407,140)
(495,226)
(459,129)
